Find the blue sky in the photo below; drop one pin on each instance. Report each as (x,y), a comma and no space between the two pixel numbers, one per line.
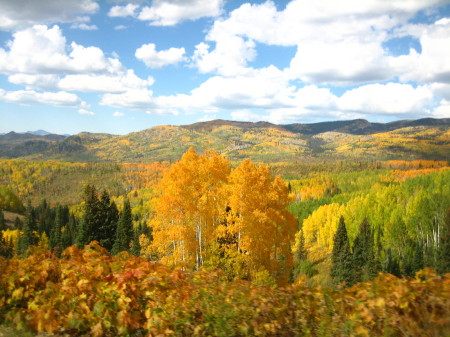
(123,66)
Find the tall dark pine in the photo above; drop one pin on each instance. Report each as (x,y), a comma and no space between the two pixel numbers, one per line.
(55,232)
(29,236)
(136,246)
(365,265)
(124,233)
(2,221)
(341,258)
(91,220)
(108,225)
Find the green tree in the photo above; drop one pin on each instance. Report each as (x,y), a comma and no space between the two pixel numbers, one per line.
(29,237)
(135,245)
(108,226)
(341,258)
(2,221)
(124,233)
(91,221)
(365,265)
(55,233)
(391,264)
(443,253)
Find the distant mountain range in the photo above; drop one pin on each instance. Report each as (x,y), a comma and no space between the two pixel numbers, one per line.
(407,139)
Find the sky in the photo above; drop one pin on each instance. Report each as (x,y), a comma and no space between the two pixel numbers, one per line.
(122,66)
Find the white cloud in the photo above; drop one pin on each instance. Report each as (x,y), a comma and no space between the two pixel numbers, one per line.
(171,12)
(391,98)
(86,112)
(42,50)
(337,43)
(104,83)
(247,116)
(26,97)
(83,26)
(156,59)
(120,27)
(18,14)
(442,110)
(40,58)
(118,114)
(123,11)
(132,99)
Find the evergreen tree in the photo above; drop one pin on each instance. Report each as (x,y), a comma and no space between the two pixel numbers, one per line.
(6,247)
(69,232)
(108,225)
(55,233)
(91,220)
(364,264)
(136,246)
(443,253)
(124,233)
(29,236)
(413,259)
(18,224)
(391,264)
(341,258)
(2,221)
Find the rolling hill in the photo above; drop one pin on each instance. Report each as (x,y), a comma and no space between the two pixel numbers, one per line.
(408,139)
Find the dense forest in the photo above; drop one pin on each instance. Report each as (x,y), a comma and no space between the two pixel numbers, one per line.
(209,246)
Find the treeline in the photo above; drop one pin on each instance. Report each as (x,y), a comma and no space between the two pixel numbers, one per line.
(57,228)
(403,213)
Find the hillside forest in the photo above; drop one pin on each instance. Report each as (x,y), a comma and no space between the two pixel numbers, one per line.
(216,245)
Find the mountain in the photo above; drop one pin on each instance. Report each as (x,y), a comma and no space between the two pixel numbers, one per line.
(39,133)
(407,139)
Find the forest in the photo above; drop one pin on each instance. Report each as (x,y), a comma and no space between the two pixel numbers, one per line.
(209,246)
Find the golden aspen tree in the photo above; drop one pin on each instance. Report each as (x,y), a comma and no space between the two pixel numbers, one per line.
(189,207)
(263,227)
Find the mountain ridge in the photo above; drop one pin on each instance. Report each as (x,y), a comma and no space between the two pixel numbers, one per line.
(425,138)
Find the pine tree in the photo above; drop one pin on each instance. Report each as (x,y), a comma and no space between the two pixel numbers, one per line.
(341,258)
(364,265)
(29,236)
(136,246)
(55,232)
(108,225)
(391,264)
(18,224)
(91,220)
(124,233)
(2,221)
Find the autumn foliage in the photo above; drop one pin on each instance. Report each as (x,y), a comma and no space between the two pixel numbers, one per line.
(89,291)
(209,215)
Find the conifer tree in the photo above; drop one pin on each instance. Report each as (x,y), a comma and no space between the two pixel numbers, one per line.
(108,224)
(124,233)
(29,236)
(91,220)
(55,232)
(391,264)
(136,246)
(2,221)
(364,264)
(341,258)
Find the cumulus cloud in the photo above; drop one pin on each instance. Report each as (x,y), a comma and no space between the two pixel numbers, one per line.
(40,58)
(337,43)
(132,99)
(26,97)
(123,11)
(171,12)
(83,26)
(118,114)
(86,112)
(23,13)
(156,59)
(40,49)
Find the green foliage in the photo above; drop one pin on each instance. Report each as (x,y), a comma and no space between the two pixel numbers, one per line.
(9,201)
(341,258)
(124,234)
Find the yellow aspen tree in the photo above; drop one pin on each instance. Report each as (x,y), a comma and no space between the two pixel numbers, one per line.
(189,208)
(263,227)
